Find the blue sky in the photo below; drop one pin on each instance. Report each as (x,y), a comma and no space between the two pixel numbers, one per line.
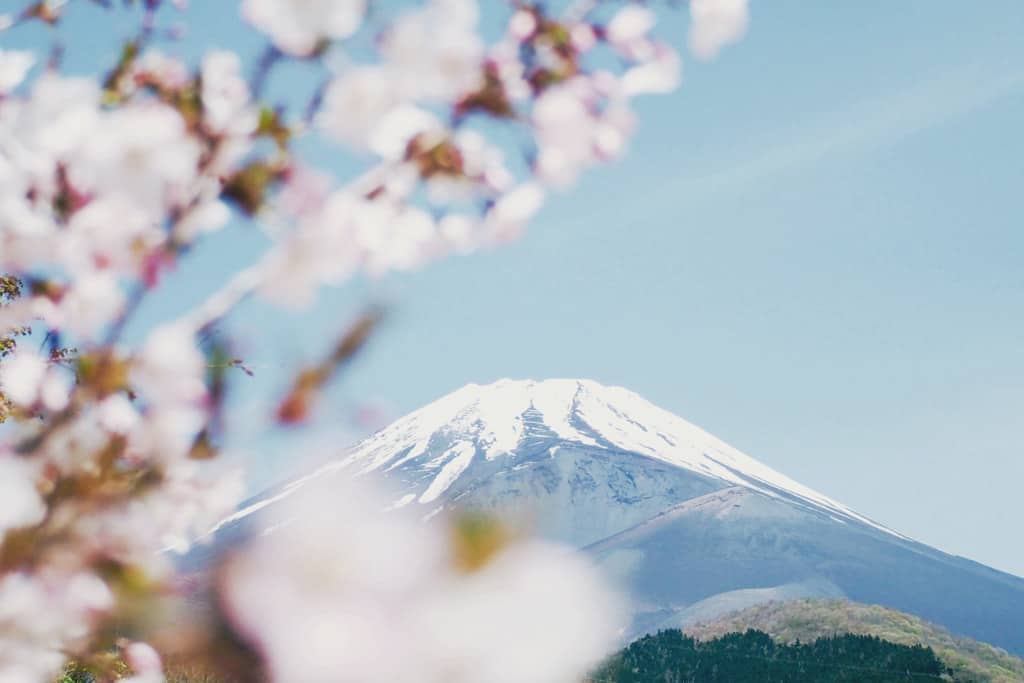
(813,250)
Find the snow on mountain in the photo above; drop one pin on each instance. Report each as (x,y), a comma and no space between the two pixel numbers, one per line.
(497,420)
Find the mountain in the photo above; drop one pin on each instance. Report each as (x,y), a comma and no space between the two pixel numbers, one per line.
(807,620)
(690,526)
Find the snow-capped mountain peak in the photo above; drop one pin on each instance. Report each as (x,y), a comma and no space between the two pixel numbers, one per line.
(499,419)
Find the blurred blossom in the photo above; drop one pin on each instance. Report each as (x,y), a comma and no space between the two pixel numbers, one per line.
(349,233)
(14,66)
(108,230)
(169,369)
(143,152)
(715,24)
(141,530)
(658,76)
(630,25)
(145,664)
(537,613)
(457,230)
(42,618)
(169,376)
(436,50)
(574,125)
(21,504)
(225,93)
(297,26)
(89,304)
(512,212)
(390,136)
(166,70)
(522,24)
(21,377)
(342,591)
(318,251)
(355,102)
(117,415)
(27,378)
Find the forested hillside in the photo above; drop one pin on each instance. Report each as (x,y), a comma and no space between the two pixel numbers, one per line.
(806,620)
(755,657)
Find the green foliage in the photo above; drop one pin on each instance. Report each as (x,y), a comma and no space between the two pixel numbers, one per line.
(76,674)
(806,620)
(754,657)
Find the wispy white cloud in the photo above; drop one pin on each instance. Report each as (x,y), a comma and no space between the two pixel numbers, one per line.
(870,125)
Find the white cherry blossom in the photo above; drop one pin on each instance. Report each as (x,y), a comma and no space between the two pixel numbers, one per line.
(659,74)
(347,607)
(117,415)
(14,66)
(715,24)
(91,302)
(296,26)
(436,51)
(22,505)
(225,93)
(355,103)
(42,617)
(630,25)
(28,379)
(22,375)
(508,217)
(145,664)
(392,133)
(141,152)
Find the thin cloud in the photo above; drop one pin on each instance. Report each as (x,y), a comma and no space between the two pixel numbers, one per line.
(869,125)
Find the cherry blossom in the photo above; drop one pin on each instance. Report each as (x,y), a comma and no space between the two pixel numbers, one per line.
(630,26)
(355,103)
(42,616)
(574,131)
(225,93)
(715,24)
(145,663)
(347,607)
(296,26)
(435,51)
(14,66)
(22,504)
(142,152)
(28,379)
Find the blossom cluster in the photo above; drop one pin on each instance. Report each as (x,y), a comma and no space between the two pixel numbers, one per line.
(384,596)
(107,452)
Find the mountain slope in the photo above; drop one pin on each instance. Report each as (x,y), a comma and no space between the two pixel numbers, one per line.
(737,539)
(690,526)
(806,620)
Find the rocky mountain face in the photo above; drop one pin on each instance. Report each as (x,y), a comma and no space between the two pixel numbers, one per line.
(689,526)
